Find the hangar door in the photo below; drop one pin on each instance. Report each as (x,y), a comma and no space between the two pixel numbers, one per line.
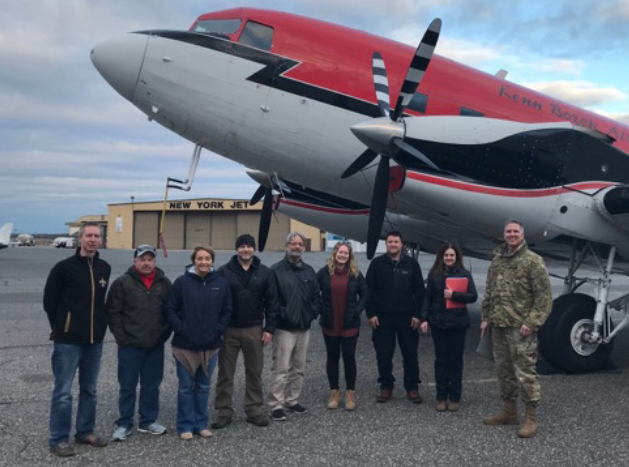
(223,232)
(145,228)
(198,228)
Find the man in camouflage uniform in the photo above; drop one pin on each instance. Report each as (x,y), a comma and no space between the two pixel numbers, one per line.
(517,301)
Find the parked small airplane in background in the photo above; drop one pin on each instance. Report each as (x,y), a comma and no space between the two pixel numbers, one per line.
(359,135)
(5,235)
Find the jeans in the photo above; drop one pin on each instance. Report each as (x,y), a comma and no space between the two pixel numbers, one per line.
(449,348)
(335,347)
(398,327)
(66,359)
(193,397)
(146,365)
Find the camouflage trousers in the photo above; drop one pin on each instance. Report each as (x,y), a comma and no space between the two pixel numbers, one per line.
(516,358)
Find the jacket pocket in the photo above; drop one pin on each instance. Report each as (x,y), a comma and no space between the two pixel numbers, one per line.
(66,326)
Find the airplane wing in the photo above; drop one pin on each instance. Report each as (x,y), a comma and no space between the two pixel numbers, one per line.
(5,235)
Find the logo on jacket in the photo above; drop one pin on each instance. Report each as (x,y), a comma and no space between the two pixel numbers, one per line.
(102,282)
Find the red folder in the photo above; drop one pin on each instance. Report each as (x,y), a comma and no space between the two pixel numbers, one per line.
(457,284)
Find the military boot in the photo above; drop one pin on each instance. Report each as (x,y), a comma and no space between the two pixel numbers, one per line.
(529,427)
(335,399)
(507,416)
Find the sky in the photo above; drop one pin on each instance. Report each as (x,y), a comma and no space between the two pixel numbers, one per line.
(70,145)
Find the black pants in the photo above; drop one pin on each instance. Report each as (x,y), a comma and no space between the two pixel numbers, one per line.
(346,346)
(384,337)
(449,347)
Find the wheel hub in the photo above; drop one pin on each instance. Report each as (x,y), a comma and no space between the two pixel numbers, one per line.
(580,337)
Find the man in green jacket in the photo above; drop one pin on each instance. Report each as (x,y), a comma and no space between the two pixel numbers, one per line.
(517,301)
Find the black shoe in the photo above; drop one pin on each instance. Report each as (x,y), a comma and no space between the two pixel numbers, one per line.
(258,420)
(384,396)
(62,449)
(221,422)
(278,415)
(297,408)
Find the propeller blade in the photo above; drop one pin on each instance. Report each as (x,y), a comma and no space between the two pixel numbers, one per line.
(414,152)
(379,199)
(265,218)
(363,160)
(417,68)
(381,84)
(257,196)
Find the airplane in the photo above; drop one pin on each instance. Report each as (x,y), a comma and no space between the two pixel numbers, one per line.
(5,235)
(360,135)
(25,240)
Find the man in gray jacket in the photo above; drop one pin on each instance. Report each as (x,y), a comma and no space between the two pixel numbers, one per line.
(136,319)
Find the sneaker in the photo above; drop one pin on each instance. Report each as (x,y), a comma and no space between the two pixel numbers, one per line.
(278,415)
(258,420)
(205,433)
(384,396)
(186,436)
(121,433)
(154,428)
(94,441)
(221,422)
(414,396)
(62,449)
(297,408)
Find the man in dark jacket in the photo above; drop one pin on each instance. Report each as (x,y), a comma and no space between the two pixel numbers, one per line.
(396,293)
(251,327)
(298,297)
(136,319)
(74,300)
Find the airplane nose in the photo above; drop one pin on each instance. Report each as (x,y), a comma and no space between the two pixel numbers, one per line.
(119,61)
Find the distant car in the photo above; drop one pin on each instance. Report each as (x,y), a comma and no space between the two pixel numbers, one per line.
(64,242)
(25,240)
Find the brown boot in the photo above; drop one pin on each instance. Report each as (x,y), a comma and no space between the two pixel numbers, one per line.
(529,427)
(335,399)
(508,415)
(350,400)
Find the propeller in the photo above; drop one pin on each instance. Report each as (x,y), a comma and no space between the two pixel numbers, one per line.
(384,136)
(265,216)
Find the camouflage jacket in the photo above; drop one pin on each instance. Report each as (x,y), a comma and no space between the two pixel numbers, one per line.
(517,290)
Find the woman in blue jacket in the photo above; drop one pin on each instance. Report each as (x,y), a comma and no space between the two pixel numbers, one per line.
(198,310)
(343,299)
(449,289)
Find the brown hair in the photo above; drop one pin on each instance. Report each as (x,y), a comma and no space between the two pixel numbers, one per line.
(202,248)
(331,261)
(439,267)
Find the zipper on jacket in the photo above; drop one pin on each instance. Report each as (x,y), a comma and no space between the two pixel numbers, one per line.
(66,328)
(90,264)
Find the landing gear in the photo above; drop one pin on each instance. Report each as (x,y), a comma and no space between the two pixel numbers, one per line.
(577,336)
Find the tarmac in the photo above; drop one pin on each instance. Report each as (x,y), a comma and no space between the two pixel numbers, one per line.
(584,419)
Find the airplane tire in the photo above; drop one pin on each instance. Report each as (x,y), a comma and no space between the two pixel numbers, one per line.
(569,352)
(547,333)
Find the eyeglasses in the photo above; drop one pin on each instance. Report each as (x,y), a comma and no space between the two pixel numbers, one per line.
(296,244)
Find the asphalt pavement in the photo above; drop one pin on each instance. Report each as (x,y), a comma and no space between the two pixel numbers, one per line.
(584,419)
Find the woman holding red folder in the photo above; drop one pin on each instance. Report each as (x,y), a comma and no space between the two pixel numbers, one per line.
(448,290)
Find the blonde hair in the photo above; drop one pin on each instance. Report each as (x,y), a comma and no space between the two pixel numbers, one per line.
(331,261)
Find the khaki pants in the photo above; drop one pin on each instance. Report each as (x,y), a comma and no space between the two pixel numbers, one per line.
(289,365)
(515,358)
(249,341)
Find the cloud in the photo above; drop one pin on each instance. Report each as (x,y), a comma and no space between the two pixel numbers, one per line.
(580,93)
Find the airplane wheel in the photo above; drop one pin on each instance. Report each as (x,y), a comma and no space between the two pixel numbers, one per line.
(547,333)
(570,351)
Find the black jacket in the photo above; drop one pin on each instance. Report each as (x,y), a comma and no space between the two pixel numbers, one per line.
(254,294)
(356,299)
(136,314)
(434,309)
(297,294)
(394,287)
(199,309)
(74,299)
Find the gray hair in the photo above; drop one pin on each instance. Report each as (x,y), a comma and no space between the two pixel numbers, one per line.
(514,221)
(292,235)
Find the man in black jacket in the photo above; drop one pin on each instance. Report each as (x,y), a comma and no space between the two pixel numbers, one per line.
(396,293)
(74,301)
(298,297)
(251,328)
(136,319)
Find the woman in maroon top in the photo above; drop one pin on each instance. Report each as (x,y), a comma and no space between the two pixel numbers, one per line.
(343,299)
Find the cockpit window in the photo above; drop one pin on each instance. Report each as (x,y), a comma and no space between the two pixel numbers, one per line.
(257,35)
(217,26)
